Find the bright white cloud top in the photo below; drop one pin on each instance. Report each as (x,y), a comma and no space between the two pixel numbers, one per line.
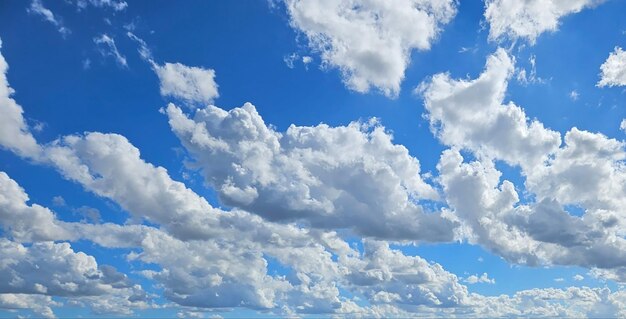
(244,211)
(370,42)
(613,70)
(515,19)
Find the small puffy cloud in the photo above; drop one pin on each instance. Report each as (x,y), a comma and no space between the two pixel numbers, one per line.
(107,47)
(622,125)
(370,42)
(578,277)
(475,279)
(560,279)
(188,83)
(613,70)
(36,7)
(573,95)
(514,19)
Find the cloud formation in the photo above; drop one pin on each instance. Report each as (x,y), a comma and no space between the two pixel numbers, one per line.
(370,42)
(513,19)
(613,70)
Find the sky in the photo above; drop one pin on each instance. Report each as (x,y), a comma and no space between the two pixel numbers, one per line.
(295,158)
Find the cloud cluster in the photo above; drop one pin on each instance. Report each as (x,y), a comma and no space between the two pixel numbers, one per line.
(370,42)
(585,170)
(330,177)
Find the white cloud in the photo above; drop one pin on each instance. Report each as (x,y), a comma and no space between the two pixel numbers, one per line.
(573,95)
(471,115)
(515,19)
(331,177)
(622,125)
(370,42)
(36,7)
(14,132)
(107,47)
(475,279)
(113,4)
(188,83)
(39,304)
(613,70)
(578,277)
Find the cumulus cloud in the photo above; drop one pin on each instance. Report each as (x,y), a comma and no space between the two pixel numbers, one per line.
(188,83)
(370,42)
(36,7)
(107,47)
(585,171)
(475,279)
(513,19)
(613,70)
(15,134)
(331,177)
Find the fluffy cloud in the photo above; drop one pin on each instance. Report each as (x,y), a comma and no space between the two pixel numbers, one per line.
(471,114)
(515,19)
(191,84)
(586,171)
(14,132)
(30,275)
(613,70)
(370,41)
(331,177)
(475,279)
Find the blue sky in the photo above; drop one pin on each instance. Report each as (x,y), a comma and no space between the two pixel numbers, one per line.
(412,158)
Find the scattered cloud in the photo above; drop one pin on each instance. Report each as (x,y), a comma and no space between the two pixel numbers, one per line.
(512,19)
(613,70)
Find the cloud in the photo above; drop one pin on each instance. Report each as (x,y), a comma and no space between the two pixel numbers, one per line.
(191,84)
(512,19)
(472,114)
(585,171)
(370,42)
(36,7)
(14,132)
(113,4)
(613,70)
(475,279)
(330,177)
(107,47)
(188,83)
